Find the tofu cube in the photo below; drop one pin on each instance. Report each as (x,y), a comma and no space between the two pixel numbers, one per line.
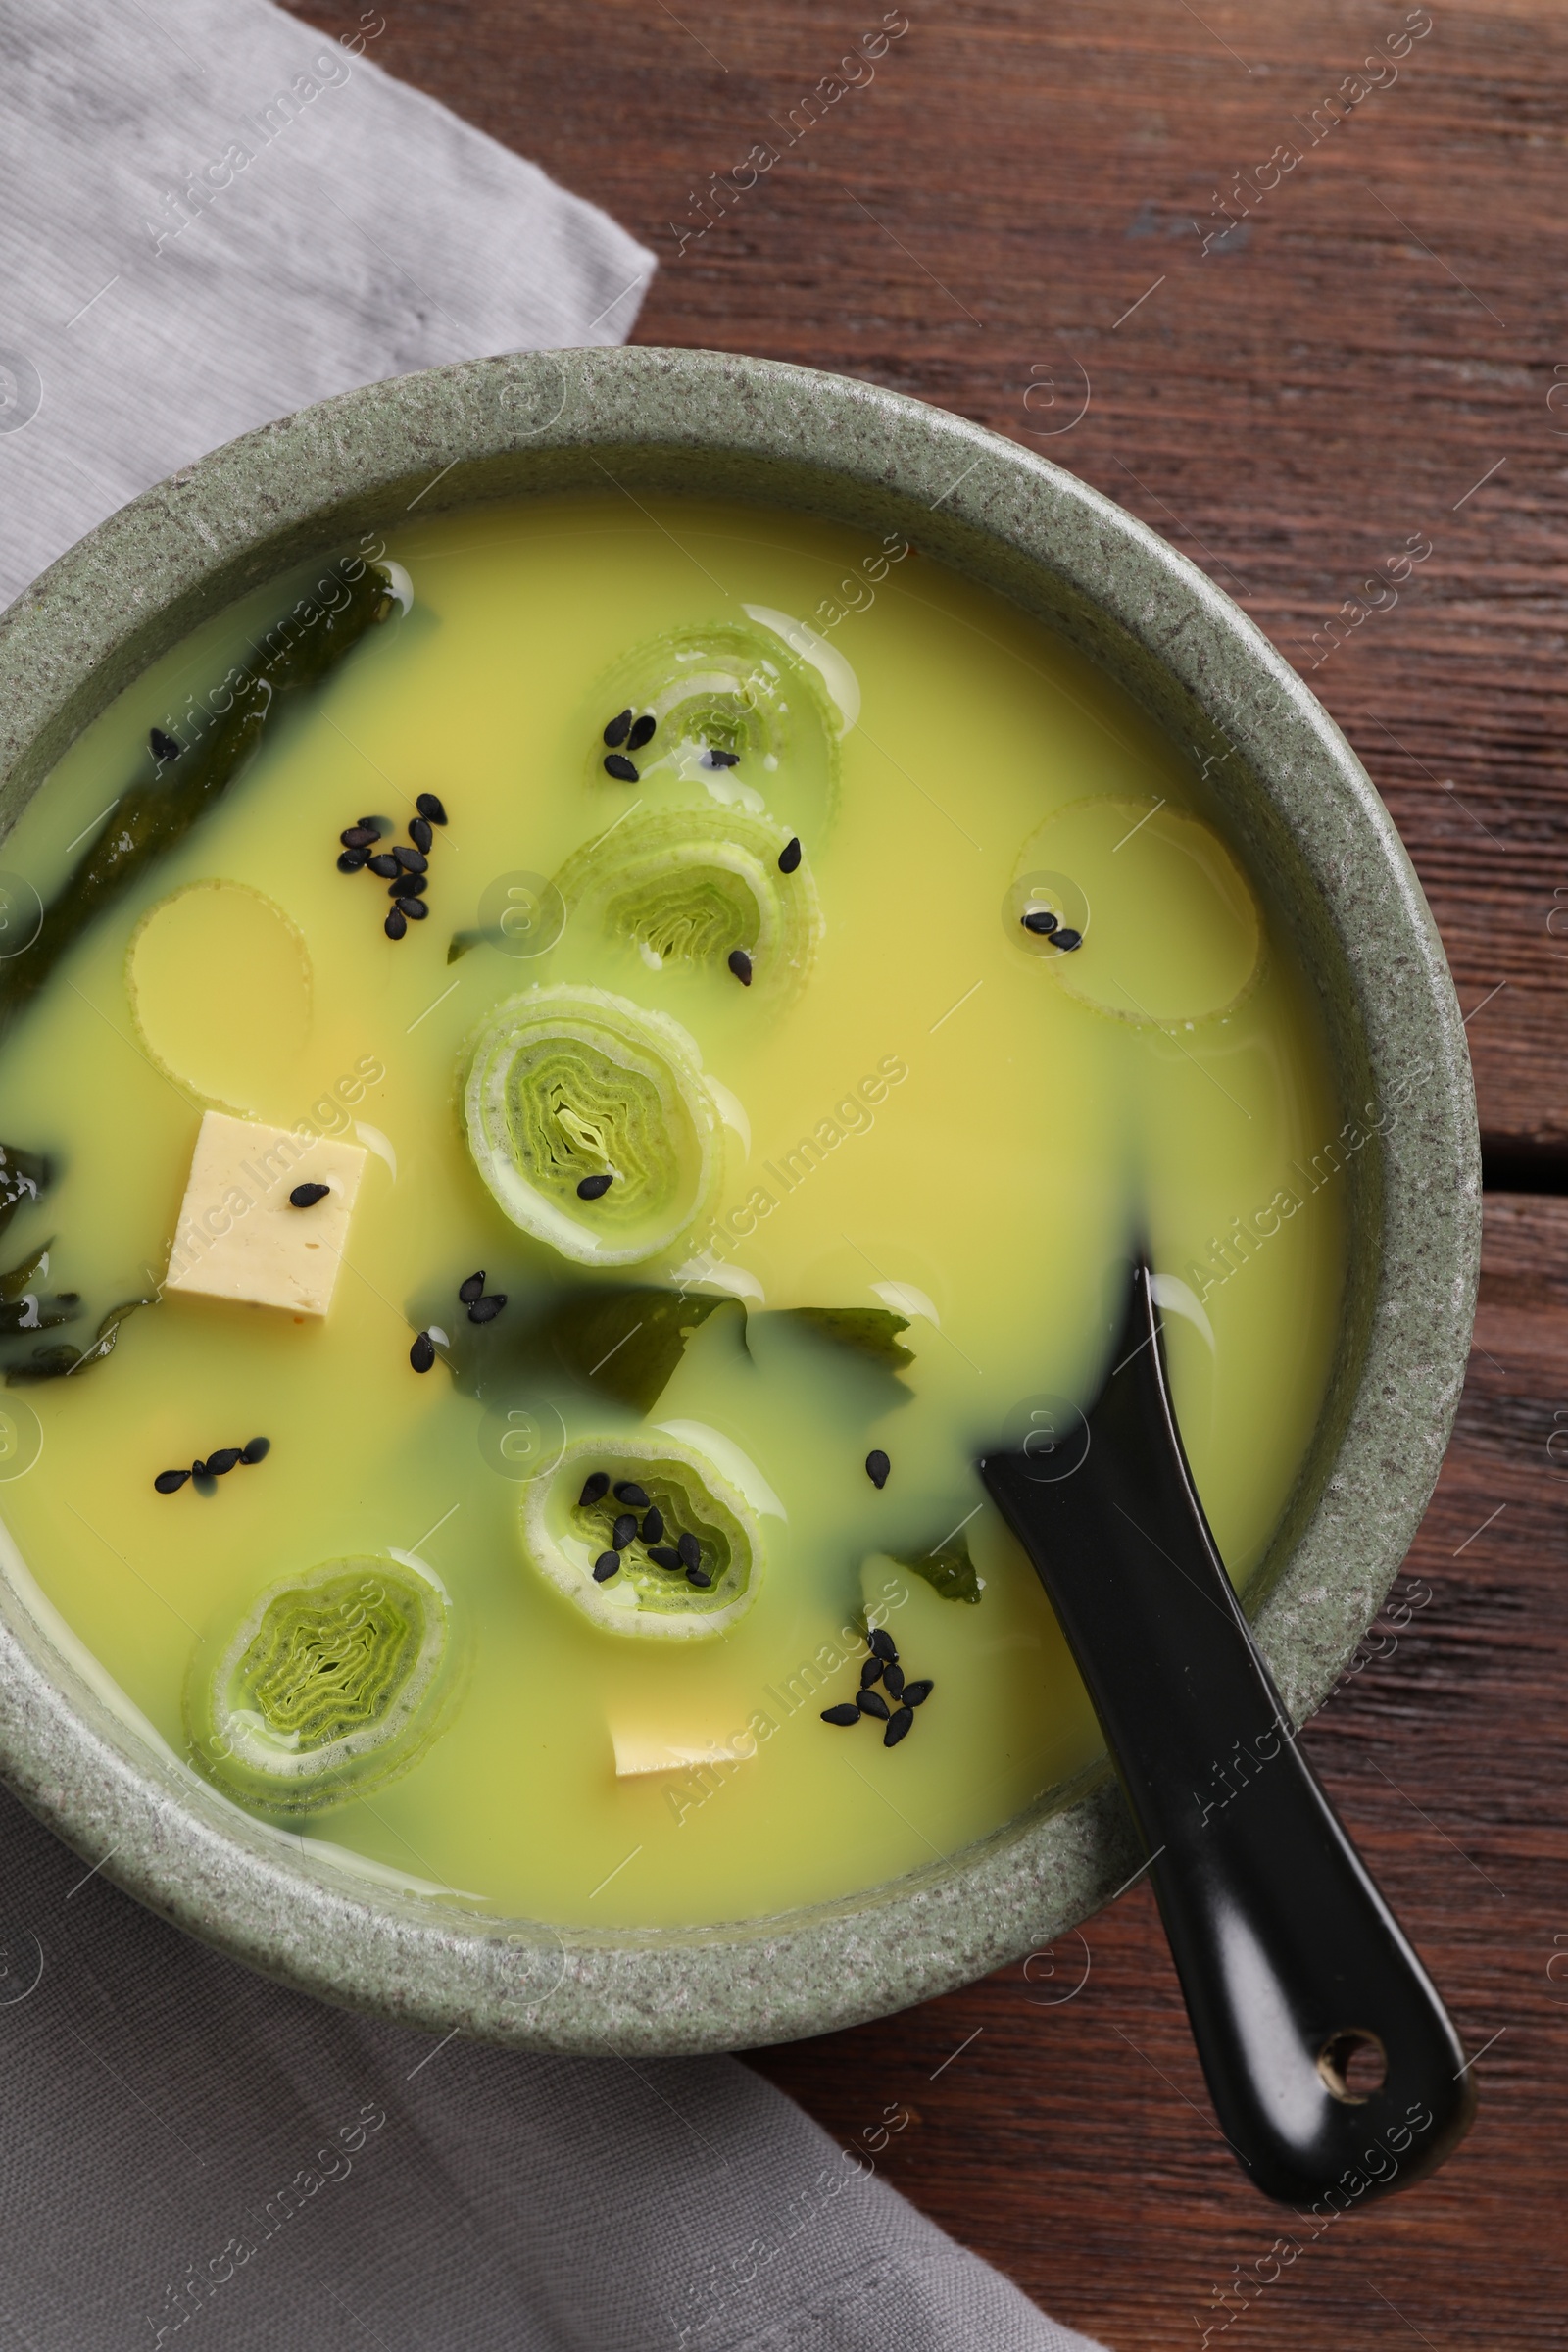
(238,1236)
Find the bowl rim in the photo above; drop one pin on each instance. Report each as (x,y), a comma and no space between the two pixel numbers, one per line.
(75,1749)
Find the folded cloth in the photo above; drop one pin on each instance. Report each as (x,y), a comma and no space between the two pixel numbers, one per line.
(215,214)
(185,2143)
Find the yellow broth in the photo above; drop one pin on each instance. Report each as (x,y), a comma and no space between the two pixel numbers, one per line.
(937,1109)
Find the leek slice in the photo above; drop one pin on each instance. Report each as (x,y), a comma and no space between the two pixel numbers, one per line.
(562,1537)
(566,1084)
(331,1685)
(684,888)
(739,718)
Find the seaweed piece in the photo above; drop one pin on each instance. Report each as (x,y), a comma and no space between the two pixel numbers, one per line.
(623,1342)
(627,1343)
(153,814)
(23,1177)
(23,1277)
(32,1314)
(60,1361)
(21,1309)
(870,1331)
(947,1570)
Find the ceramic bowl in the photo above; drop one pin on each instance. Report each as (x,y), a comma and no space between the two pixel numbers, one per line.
(1313,828)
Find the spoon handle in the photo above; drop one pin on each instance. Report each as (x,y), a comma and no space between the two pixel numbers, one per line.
(1299,1984)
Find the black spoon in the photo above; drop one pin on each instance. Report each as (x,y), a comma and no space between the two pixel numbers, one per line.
(1300,1987)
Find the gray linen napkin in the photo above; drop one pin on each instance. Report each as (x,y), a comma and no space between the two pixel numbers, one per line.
(215,215)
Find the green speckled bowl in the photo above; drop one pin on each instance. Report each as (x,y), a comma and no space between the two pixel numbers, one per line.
(1311,822)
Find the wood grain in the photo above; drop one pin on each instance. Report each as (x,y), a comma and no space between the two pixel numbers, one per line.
(1368,362)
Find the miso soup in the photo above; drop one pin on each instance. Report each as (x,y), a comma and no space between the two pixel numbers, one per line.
(555,1100)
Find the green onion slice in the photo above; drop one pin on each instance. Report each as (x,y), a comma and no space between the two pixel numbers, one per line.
(331,1685)
(733,689)
(568,1083)
(562,1537)
(685,887)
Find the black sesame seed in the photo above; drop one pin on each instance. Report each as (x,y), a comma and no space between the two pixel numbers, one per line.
(691,1551)
(606,1566)
(471,1287)
(421,1355)
(877,1467)
(595,1486)
(893,1680)
(642,732)
(700,1578)
(485,1310)
(350,861)
(430,809)
(162,747)
(407,886)
(1039,920)
(169,1481)
(255,1451)
(358,837)
(616,731)
(420,833)
(397,922)
(870,1672)
(915,1695)
(384,866)
(872,1702)
(621,1534)
(414,908)
(203,1481)
(723,759)
(740,964)
(306,1195)
(789,856)
(221,1463)
(881,1643)
(654,1527)
(617,764)
(665,1555)
(898,1725)
(627,1490)
(1066,941)
(412,861)
(594,1187)
(844,1715)
(376,826)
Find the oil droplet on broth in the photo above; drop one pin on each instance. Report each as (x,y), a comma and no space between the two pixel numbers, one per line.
(219,983)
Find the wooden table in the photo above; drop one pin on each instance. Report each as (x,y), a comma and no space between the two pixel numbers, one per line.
(1366,358)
